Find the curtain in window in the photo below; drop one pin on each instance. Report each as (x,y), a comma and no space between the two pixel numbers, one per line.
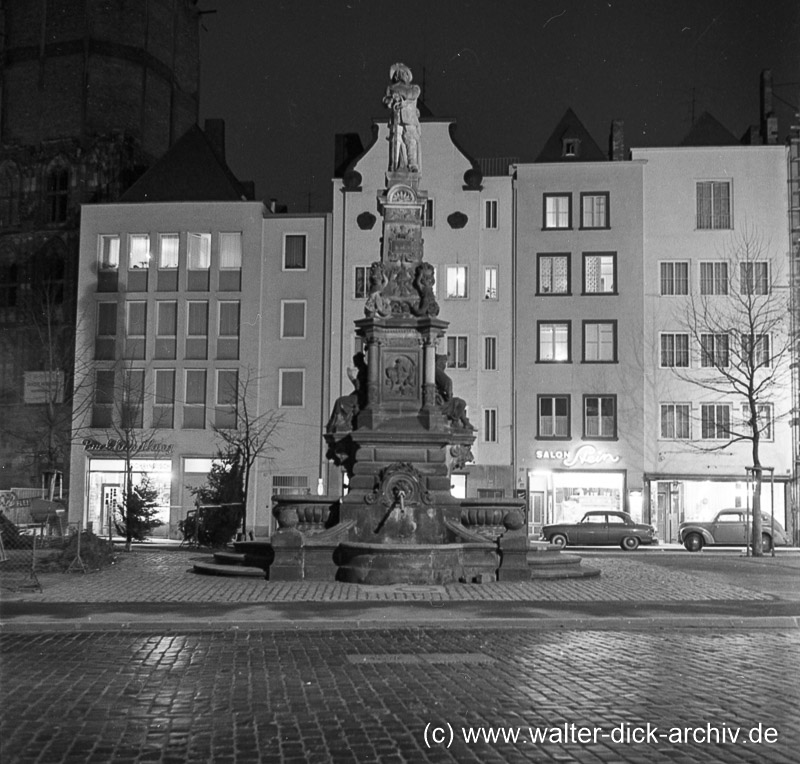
(295,251)
(199,249)
(139,255)
(169,245)
(109,252)
(230,250)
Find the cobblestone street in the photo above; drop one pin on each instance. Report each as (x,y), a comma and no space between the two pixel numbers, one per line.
(401,695)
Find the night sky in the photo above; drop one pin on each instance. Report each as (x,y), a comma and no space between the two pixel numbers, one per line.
(287,76)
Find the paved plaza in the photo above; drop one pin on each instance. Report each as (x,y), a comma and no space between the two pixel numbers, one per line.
(665,657)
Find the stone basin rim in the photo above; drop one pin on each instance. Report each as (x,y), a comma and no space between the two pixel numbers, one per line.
(377,546)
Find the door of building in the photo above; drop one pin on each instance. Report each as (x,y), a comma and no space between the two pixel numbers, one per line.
(537,514)
(111,499)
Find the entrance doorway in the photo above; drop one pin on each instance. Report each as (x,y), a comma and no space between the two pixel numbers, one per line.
(669,510)
(112,493)
(536,519)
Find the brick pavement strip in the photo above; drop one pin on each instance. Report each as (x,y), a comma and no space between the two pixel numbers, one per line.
(397,696)
(166,576)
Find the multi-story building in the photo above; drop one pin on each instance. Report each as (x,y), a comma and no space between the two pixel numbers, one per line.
(195,305)
(467,233)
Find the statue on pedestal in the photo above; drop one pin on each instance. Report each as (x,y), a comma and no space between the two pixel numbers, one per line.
(404,132)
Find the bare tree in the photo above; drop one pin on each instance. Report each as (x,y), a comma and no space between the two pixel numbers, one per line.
(739,323)
(245,434)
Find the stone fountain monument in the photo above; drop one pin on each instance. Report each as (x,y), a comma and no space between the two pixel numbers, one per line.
(402,429)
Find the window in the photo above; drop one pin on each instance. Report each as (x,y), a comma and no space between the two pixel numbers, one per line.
(164,403)
(427,214)
(714,204)
(166,329)
(57,194)
(490,425)
(490,282)
(103,398)
(763,419)
(294,252)
(554,341)
(109,252)
(600,341)
(553,274)
(198,246)
(292,383)
(197,331)
(135,329)
(457,352)
(570,147)
(227,397)
(714,351)
(456,282)
(490,353)
(230,251)
(553,416)
(9,195)
(361,281)
(138,251)
(293,319)
(715,421)
(674,350)
(168,249)
(674,277)
(105,342)
(132,409)
(594,210)
(490,213)
(755,353)
(600,273)
(289,484)
(754,278)
(194,410)
(599,416)
(675,421)
(557,211)
(228,331)
(714,278)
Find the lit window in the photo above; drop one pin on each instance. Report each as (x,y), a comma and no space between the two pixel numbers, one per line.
(599,416)
(675,421)
(168,248)
(456,281)
(674,350)
(557,210)
(230,251)
(554,341)
(674,277)
(600,273)
(553,274)
(553,416)
(109,252)
(713,204)
(138,251)
(594,210)
(199,251)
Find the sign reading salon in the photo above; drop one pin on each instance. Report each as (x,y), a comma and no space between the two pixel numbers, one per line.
(586,455)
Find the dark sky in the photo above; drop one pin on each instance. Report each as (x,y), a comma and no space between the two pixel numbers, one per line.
(288,75)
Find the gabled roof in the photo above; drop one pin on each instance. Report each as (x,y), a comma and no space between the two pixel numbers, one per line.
(190,171)
(571,128)
(708,131)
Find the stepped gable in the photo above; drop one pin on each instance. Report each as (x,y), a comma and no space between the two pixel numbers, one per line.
(708,131)
(191,171)
(571,129)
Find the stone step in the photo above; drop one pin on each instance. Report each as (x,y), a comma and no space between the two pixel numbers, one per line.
(216,569)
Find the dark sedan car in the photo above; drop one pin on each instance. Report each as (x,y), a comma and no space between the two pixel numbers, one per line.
(604,527)
(730,528)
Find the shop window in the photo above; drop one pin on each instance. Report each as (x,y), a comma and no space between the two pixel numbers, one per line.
(135,330)
(713,204)
(106,339)
(594,210)
(168,258)
(194,409)
(599,416)
(553,417)
(227,398)
(293,319)
(754,278)
(457,351)
(166,329)
(553,274)
(228,340)
(674,350)
(230,261)
(714,351)
(554,342)
(198,255)
(164,403)
(490,282)
(674,278)
(490,425)
(490,214)
(600,273)
(600,341)
(714,278)
(557,211)
(675,421)
(294,252)
(457,282)
(715,421)
(197,331)
(490,353)
(292,387)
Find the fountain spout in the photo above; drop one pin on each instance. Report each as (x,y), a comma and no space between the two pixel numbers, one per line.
(400,499)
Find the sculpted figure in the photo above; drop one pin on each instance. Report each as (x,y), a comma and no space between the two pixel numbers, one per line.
(347,407)
(424,281)
(401,97)
(377,304)
(454,408)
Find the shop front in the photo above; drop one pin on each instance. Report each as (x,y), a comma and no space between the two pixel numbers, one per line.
(564,484)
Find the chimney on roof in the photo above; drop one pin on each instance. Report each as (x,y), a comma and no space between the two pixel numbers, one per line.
(215,132)
(616,141)
(769,120)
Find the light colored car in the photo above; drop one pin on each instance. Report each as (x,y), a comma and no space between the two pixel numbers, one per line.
(601,527)
(730,528)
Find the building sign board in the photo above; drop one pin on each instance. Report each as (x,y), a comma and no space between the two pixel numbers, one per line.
(114,446)
(585,455)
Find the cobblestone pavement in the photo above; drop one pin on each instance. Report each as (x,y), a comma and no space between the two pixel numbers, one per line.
(165,576)
(401,695)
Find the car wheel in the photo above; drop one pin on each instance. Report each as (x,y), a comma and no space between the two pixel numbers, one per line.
(559,540)
(693,542)
(629,543)
(766,542)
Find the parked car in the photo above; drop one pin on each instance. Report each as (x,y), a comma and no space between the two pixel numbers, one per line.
(729,527)
(604,527)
